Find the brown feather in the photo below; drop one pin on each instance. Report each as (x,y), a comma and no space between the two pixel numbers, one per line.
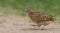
(39,18)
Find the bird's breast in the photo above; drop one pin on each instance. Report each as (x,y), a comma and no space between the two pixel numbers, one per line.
(34,18)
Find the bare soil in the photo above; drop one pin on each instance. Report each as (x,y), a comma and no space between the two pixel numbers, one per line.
(20,24)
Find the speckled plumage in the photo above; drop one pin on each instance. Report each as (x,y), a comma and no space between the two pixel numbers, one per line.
(39,18)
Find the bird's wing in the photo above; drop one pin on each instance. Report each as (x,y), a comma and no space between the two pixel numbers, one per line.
(44,16)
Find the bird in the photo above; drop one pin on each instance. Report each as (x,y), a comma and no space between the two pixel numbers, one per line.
(39,18)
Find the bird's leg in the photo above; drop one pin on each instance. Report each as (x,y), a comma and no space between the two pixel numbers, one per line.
(37,26)
(34,25)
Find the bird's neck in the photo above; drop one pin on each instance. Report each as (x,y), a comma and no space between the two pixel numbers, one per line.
(31,12)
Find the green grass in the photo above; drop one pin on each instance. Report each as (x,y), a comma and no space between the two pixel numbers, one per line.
(17,6)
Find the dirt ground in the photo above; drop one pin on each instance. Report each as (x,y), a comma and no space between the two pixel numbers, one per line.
(19,24)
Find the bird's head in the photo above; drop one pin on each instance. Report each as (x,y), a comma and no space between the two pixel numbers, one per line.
(28,10)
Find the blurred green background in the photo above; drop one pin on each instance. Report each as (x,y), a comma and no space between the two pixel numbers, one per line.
(18,6)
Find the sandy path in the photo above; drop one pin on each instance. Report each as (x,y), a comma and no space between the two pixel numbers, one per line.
(19,24)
